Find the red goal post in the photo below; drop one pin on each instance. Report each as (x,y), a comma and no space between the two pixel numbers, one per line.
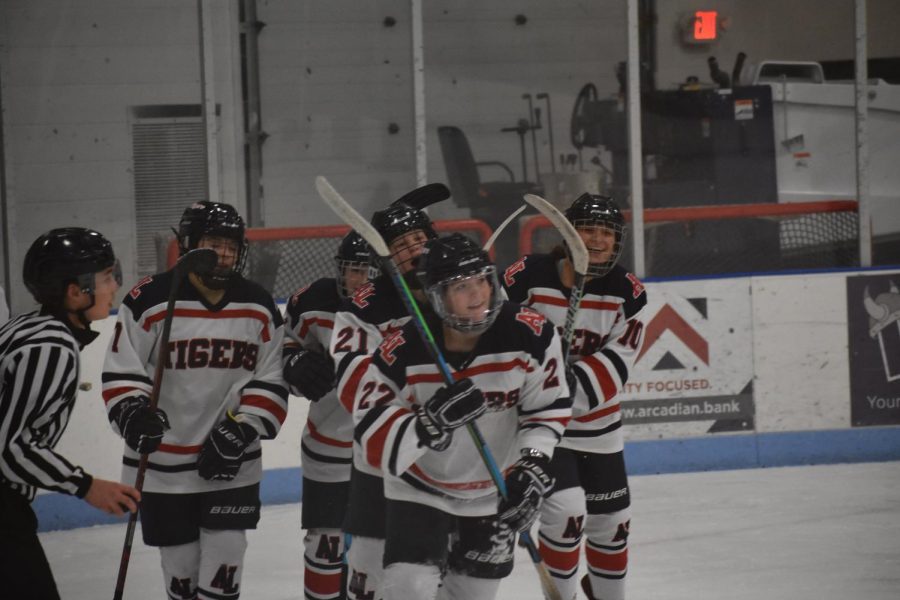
(283,259)
(738,238)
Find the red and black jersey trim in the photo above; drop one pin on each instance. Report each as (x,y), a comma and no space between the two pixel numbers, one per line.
(395,447)
(584,383)
(324,458)
(181,468)
(154,292)
(320,296)
(581,433)
(110,376)
(618,363)
(278,390)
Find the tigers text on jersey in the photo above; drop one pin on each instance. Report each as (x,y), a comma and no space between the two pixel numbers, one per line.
(607,338)
(39,365)
(221,358)
(373,311)
(327,440)
(517,364)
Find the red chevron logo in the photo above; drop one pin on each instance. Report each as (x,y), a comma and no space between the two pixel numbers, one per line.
(669,320)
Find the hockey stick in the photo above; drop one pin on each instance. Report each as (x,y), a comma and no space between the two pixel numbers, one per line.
(580,260)
(356,221)
(488,244)
(199,260)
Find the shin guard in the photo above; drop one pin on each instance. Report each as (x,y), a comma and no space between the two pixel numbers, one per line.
(607,553)
(560,532)
(323,557)
(180,567)
(406,581)
(365,569)
(221,563)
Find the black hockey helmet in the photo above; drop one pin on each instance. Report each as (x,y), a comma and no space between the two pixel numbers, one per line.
(595,210)
(217,219)
(405,214)
(451,261)
(353,253)
(399,219)
(63,256)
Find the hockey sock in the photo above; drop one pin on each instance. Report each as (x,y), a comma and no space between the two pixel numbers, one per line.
(406,581)
(180,565)
(607,553)
(221,563)
(323,560)
(364,568)
(561,524)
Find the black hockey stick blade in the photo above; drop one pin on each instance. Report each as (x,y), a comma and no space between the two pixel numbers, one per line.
(424,196)
(198,260)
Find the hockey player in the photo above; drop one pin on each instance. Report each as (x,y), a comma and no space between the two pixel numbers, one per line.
(591,494)
(374,310)
(327,440)
(509,378)
(223,392)
(73,274)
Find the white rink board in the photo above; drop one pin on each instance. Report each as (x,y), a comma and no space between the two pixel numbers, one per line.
(795,346)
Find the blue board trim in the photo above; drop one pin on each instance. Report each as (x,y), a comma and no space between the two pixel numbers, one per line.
(711,453)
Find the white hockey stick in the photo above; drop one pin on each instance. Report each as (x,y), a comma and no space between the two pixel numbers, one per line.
(488,244)
(371,235)
(580,259)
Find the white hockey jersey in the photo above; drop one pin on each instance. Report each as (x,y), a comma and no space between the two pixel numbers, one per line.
(374,311)
(221,358)
(327,440)
(608,334)
(517,364)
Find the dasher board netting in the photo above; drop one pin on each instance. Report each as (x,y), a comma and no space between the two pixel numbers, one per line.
(708,246)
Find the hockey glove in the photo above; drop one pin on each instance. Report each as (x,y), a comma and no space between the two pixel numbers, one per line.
(309,373)
(451,407)
(526,485)
(141,426)
(223,452)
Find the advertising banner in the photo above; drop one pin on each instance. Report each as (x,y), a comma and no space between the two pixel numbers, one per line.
(694,373)
(873,323)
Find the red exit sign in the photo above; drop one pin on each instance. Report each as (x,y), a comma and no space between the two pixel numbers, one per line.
(705,25)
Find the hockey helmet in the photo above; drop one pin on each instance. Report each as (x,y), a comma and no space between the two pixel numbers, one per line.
(593,210)
(217,219)
(454,264)
(63,256)
(354,253)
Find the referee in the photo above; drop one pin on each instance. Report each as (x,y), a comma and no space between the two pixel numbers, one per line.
(73,274)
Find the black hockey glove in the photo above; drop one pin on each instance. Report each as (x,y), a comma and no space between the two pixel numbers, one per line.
(141,426)
(223,451)
(526,485)
(309,373)
(451,407)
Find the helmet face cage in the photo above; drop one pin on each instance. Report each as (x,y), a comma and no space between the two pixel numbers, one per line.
(214,219)
(67,255)
(591,210)
(448,266)
(438,297)
(353,254)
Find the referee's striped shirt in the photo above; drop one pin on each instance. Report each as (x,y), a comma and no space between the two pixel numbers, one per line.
(39,358)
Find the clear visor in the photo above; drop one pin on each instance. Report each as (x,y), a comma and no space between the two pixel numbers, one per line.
(468,302)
